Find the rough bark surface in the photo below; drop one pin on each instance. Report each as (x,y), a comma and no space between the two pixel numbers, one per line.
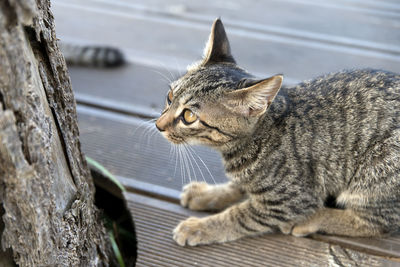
(50,218)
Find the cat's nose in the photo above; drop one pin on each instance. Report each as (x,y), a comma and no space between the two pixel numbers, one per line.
(159,126)
(163,121)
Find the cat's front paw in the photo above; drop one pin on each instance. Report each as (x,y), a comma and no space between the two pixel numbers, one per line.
(193,231)
(304,230)
(198,196)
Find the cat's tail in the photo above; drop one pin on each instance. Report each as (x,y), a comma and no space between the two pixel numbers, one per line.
(92,55)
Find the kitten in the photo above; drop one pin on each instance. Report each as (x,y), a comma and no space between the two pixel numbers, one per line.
(288,151)
(92,55)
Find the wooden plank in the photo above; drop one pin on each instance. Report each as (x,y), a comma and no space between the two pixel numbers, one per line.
(141,112)
(170,39)
(155,220)
(388,246)
(368,25)
(151,190)
(323,21)
(135,88)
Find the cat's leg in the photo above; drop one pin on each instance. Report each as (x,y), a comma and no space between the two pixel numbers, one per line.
(203,196)
(346,222)
(235,222)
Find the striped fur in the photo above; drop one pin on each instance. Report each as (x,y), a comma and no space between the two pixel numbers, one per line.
(323,156)
(92,55)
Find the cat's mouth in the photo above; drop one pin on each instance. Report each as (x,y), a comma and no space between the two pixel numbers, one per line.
(173,139)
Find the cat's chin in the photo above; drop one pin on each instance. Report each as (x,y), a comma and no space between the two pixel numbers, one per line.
(176,142)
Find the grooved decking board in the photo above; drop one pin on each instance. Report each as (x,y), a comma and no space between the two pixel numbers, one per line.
(128,148)
(364,23)
(134,85)
(155,220)
(176,41)
(389,246)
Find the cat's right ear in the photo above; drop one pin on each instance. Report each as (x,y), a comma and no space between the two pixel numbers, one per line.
(255,99)
(217,49)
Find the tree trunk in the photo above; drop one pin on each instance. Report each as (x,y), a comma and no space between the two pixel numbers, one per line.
(45,188)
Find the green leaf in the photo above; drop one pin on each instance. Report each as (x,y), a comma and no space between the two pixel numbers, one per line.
(105,173)
(116,249)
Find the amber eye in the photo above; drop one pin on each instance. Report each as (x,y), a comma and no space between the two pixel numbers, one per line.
(169,97)
(189,117)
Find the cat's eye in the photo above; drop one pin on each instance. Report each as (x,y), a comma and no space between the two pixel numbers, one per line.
(169,97)
(189,117)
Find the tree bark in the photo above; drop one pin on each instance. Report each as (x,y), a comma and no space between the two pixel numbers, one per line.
(45,188)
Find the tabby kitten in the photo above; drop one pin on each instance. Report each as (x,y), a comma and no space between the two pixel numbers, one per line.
(288,151)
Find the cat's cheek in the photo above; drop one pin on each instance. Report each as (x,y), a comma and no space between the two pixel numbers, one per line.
(172,139)
(164,135)
(195,142)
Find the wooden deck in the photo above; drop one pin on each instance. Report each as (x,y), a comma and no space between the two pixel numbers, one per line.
(299,38)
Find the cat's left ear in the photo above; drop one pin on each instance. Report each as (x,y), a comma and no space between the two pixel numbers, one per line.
(255,99)
(217,49)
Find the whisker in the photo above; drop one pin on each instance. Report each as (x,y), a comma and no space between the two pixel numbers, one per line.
(170,151)
(190,161)
(208,170)
(168,80)
(167,69)
(172,75)
(153,131)
(149,132)
(195,161)
(181,165)
(143,123)
(176,158)
(178,67)
(186,164)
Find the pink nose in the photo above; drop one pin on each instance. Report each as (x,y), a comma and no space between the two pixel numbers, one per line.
(158,127)
(162,122)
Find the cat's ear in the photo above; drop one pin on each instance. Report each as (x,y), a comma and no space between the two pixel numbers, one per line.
(217,48)
(254,99)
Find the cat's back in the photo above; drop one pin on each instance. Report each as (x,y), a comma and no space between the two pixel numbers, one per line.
(347,85)
(357,97)
(328,123)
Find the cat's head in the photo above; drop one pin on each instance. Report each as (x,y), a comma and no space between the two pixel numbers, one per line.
(216,101)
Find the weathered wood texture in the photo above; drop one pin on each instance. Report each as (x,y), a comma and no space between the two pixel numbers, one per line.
(299,38)
(155,220)
(50,218)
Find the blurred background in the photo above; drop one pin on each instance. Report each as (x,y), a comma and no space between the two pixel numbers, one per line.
(299,38)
